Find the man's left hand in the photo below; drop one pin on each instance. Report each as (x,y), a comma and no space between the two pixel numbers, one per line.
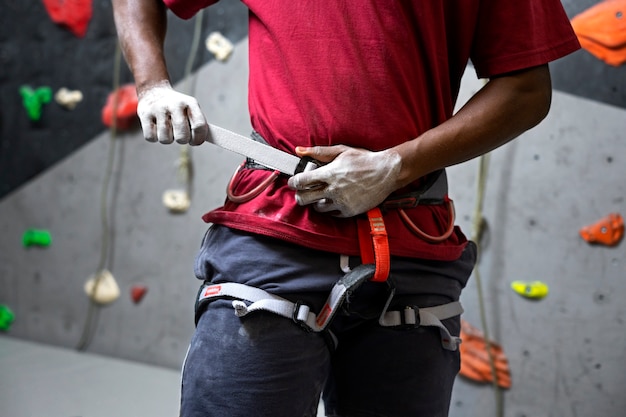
(351,182)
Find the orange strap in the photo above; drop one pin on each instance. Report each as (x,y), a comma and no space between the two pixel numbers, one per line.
(374,244)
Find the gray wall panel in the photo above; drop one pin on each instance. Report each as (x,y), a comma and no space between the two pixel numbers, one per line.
(566,351)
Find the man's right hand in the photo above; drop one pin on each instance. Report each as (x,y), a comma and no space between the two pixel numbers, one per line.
(167,115)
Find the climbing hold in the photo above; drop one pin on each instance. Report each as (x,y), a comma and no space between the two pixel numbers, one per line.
(124,100)
(137,293)
(176,201)
(186,9)
(36,237)
(530,289)
(601,30)
(34,99)
(217,44)
(102,287)
(6,318)
(475,362)
(73,14)
(68,98)
(608,231)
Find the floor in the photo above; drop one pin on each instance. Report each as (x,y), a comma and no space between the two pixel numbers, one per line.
(39,380)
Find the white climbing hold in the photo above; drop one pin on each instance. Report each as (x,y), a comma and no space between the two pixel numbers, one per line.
(176,201)
(106,291)
(68,98)
(217,44)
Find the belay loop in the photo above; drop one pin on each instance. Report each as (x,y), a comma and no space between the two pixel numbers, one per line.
(374,244)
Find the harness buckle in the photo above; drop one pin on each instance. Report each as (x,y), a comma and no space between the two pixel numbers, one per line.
(410,317)
(299,319)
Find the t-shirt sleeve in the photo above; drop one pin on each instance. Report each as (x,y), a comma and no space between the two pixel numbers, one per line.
(513,35)
(186,9)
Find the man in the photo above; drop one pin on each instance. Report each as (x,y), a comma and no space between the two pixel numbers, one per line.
(367,89)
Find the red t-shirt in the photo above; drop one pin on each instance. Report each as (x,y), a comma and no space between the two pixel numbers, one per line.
(373,74)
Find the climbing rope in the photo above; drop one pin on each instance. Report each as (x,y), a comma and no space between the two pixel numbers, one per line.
(185,172)
(185,162)
(478,226)
(93,310)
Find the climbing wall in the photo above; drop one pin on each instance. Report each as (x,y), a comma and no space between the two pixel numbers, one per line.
(148,245)
(75,51)
(565,350)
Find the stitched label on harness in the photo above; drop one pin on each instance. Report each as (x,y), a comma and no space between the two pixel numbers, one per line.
(323,316)
(211,291)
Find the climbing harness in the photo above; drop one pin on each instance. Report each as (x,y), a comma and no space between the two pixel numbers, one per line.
(247,299)
(258,150)
(373,243)
(432,192)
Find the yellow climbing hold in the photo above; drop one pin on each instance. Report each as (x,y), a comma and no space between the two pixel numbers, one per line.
(530,289)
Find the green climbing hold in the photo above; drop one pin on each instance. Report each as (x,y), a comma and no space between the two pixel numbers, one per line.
(6,317)
(34,99)
(36,237)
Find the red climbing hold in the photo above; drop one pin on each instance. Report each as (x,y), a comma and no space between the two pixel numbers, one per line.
(74,14)
(137,292)
(126,113)
(608,231)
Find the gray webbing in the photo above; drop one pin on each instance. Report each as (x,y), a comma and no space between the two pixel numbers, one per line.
(247,299)
(262,153)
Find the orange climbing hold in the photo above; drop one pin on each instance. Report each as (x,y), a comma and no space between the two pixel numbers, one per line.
(74,14)
(475,362)
(126,107)
(608,231)
(601,30)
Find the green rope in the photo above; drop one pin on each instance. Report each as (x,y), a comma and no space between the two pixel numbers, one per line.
(93,310)
(478,225)
(185,163)
(186,166)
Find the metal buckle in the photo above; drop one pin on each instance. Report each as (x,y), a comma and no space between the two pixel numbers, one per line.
(294,317)
(403,317)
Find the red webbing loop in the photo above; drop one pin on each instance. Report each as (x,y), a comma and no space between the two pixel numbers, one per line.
(374,244)
(244,198)
(425,236)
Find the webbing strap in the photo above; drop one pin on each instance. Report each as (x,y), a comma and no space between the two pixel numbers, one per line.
(247,299)
(430,316)
(261,300)
(374,244)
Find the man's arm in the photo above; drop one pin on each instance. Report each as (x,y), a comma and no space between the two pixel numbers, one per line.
(503,109)
(356,180)
(165,114)
(141,27)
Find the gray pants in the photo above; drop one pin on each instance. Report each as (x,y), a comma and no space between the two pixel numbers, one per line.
(267,365)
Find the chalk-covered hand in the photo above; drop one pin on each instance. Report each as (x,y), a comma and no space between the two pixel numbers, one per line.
(167,115)
(351,182)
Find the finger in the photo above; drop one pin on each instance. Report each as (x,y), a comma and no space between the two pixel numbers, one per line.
(328,206)
(321,153)
(180,127)
(148,126)
(198,123)
(325,205)
(309,180)
(199,134)
(164,129)
(308,197)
